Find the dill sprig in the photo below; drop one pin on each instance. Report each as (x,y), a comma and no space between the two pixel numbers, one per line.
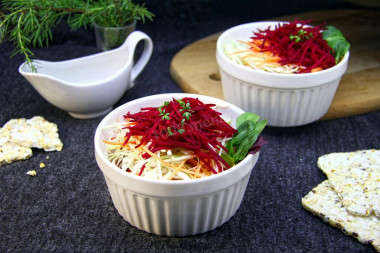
(29,23)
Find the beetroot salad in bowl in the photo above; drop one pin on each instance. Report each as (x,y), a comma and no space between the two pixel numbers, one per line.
(286,72)
(166,158)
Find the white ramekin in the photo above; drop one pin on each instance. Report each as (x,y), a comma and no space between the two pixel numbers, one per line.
(173,208)
(283,99)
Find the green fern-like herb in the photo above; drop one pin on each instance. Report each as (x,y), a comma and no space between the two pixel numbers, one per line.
(29,23)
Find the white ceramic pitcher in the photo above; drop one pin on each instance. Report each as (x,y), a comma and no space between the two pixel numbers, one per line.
(89,86)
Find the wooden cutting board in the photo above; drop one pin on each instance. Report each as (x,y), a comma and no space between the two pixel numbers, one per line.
(195,69)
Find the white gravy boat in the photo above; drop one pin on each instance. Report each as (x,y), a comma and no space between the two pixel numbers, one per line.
(89,86)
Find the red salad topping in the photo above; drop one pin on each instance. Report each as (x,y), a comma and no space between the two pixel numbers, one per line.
(182,123)
(299,44)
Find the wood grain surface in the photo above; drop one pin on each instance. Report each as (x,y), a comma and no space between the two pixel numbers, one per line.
(195,69)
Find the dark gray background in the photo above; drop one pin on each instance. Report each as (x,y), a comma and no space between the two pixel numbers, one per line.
(67,207)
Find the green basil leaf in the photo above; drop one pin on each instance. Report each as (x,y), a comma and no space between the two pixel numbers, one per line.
(336,40)
(247,116)
(231,161)
(245,145)
(260,126)
(248,130)
(235,141)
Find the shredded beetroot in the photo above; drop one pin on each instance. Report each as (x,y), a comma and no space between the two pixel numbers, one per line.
(186,123)
(296,43)
(142,169)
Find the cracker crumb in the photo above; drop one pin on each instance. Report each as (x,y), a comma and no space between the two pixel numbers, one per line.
(31,173)
(42,165)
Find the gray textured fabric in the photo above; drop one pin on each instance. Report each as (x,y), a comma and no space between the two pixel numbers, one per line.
(67,207)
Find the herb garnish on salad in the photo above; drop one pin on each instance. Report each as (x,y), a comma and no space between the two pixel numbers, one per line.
(182,139)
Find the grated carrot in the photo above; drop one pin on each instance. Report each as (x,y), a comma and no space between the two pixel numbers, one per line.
(316,69)
(178,168)
(114,142)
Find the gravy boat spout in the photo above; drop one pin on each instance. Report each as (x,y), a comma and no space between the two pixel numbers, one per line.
(89,86)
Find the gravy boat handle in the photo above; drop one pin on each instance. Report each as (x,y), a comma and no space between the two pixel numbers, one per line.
(133,39)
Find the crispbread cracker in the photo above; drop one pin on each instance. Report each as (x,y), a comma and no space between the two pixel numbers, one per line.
(19,136)
(355,177)
(10,152)
(34,133)
(323,201)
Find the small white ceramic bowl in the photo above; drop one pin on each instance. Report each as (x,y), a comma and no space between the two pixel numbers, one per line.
(89,86)
(173,208)
(283,99)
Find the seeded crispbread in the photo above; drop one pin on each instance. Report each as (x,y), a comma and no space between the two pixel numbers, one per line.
(19,136)
(323,201)
(10,152)
(355,177)
(34,133)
